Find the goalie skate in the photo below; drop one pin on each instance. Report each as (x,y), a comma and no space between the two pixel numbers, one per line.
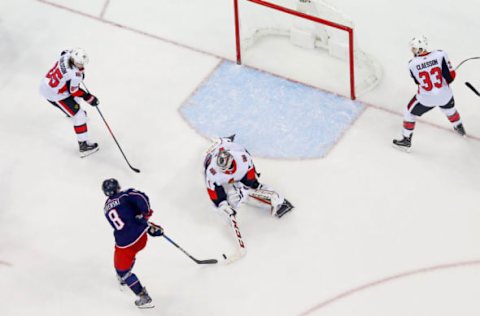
(284,208)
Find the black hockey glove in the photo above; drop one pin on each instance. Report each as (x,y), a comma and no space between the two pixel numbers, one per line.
(90,99)
(154,230)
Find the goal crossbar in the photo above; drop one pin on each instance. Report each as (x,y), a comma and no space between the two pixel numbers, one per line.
(342,27)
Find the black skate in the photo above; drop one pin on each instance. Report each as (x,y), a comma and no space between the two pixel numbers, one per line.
(403,144)
(284,208)
(231,137)
(460,130)
(144,300)
(87,148)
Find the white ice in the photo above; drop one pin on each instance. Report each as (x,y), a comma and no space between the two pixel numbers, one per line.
(364,213)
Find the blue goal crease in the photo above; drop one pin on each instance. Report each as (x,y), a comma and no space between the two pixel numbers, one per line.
(271,116)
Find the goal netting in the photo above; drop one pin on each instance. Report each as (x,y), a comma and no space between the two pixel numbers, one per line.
(305,40)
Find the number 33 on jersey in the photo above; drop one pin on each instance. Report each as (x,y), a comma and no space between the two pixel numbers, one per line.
(432,73)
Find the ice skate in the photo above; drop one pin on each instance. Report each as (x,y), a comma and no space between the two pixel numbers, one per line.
(144,300)
(403,144)
(460,130)
(86,148)
(284,208)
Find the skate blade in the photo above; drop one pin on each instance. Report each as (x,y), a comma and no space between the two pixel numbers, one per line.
(402,148)
(88,153)
(146,306)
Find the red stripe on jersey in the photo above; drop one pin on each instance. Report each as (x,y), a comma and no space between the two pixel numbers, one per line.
(455,117)
(251,174)
(63,89)
(66,108)
(76,92)
(408,125)
(213,195)
(80,129)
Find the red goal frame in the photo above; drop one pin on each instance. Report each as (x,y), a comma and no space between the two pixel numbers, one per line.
(273,6)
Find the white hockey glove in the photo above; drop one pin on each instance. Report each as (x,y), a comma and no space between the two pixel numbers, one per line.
(226,209)
(236,194)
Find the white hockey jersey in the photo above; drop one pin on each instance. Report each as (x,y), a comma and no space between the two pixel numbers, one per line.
(433,73)
(242,163)
(62,80)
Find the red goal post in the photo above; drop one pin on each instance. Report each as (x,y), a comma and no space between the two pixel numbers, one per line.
(338,26)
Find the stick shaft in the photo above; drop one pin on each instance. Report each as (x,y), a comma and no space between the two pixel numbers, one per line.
(468,84)
(111,133)
(465,60)
(208,261)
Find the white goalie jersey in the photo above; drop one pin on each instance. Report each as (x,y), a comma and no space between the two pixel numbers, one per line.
(239,166)
(231,178)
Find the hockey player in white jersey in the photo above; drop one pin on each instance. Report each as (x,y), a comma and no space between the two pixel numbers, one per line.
(61,87)
(433,73)
(231,179)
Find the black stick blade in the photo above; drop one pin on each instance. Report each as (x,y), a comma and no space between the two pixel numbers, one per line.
(208,261)
(468,84)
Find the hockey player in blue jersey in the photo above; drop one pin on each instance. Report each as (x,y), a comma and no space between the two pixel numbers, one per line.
(128,213)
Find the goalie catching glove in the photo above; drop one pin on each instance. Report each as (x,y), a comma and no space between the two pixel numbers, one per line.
(154,230)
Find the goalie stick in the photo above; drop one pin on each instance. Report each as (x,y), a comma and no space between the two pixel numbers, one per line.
(468,84)
(241,245)
(207,261)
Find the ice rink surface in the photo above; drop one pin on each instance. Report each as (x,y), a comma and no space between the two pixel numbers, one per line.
(374,232)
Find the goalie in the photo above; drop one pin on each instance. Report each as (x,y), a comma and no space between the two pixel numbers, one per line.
(231,179)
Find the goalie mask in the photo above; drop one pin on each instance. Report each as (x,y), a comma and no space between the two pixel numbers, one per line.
(419,45)
(224,160)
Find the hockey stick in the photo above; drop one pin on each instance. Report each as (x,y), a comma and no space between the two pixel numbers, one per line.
(465,60)
(238,236)
(111,133)
(208,261)
(468,84)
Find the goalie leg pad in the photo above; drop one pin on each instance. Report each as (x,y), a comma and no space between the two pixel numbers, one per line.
(268,197)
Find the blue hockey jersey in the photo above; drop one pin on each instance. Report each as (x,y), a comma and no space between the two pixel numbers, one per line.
(128,212)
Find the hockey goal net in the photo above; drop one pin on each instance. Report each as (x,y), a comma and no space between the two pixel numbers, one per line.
(318,41)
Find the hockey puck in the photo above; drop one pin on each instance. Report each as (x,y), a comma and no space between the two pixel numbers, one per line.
(224,257)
